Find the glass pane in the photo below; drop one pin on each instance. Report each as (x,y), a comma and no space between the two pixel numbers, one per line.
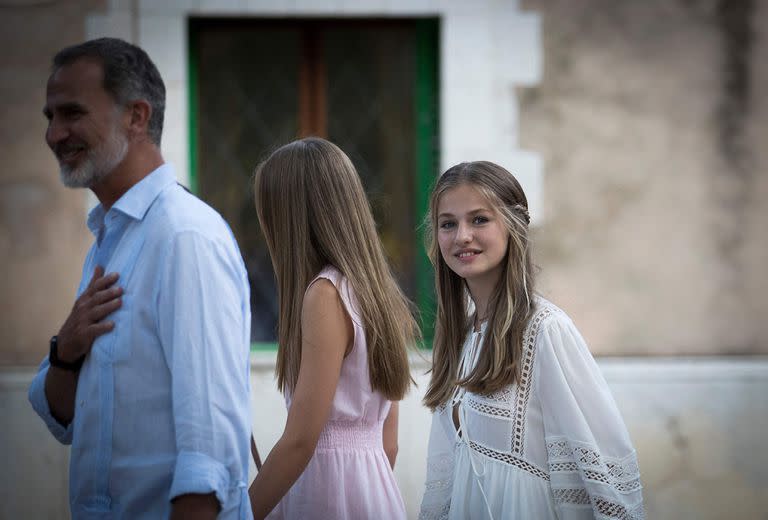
(248,103)
(370,99)
(247,106)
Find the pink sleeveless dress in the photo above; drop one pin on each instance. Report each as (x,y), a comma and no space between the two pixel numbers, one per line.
(348,477)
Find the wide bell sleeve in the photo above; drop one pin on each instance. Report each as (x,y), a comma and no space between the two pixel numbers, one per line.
(592,464)
(436,502)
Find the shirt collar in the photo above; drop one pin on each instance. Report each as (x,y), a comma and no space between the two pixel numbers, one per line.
(136,201)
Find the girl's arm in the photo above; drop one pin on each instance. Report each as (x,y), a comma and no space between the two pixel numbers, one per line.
(436,502)
(390,433)
(590,455)
(326,331)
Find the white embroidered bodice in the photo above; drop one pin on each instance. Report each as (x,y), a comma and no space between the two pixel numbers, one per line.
(553,445)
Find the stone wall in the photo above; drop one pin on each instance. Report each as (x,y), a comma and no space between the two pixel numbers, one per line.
(43,238)
(652,118)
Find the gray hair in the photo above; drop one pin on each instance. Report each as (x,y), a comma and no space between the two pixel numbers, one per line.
(129,74)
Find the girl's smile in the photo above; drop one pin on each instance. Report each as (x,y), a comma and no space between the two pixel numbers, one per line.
(467,255)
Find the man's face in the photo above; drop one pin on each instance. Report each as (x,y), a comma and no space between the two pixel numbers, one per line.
(86,128)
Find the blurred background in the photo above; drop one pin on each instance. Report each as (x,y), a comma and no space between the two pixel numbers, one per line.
(638,128)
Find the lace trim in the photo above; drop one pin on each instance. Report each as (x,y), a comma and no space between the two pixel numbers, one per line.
(524,383)
(487,408)
(611,510)
(570,457)
(435,514)
(438,485)
(602,507)
(440,466)
(629,486)
(510,459)
(504,394)
(571,496)
(443,466)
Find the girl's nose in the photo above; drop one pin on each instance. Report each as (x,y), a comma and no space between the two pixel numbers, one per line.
(463,234)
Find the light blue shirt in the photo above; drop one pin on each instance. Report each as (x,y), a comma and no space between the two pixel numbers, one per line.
(162,406)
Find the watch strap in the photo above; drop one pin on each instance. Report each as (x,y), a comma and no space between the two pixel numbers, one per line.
(53,358)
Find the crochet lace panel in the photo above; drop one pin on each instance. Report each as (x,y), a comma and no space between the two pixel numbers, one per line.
(585,461)
(603,508)
(570,457)
(511,402)
(443,466)
(509,458)
(526,375)
(437,491)
(609,510)
(440,513)
(486,406)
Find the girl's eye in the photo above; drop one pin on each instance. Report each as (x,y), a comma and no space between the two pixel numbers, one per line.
(480,220)
(447,224)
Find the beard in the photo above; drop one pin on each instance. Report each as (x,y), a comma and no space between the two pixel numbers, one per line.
(99,161)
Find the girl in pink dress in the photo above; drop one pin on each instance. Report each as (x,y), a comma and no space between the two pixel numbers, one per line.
(343,330)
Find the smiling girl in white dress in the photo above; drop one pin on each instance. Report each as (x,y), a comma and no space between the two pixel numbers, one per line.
(524,425)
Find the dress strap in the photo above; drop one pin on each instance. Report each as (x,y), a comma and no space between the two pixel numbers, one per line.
(348,298)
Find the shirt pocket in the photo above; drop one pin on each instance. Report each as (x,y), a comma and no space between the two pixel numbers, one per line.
(116,345)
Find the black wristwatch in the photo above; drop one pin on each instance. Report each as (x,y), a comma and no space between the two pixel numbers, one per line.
(53,358)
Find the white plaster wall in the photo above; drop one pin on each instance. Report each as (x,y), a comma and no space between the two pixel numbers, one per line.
(699,427)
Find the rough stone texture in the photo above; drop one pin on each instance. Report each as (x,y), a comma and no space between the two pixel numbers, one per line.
(651,119)
(43,238)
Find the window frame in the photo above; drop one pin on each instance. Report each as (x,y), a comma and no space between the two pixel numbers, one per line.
(426,125)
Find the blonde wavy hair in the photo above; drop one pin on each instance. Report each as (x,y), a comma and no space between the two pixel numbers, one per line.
(313,212)
(511,304)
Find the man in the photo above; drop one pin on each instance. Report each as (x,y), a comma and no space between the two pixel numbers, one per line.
(148,377)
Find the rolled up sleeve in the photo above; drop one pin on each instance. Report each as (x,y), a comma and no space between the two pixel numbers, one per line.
(199,473)
(204,325)
(39,403)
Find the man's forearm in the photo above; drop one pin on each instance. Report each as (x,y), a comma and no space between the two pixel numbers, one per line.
(85,323)
(195,507)
(60,391)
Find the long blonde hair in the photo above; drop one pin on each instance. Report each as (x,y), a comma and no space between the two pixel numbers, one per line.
(510,304)
(314,212)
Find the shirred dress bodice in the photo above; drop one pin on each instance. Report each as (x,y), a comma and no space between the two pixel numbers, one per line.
(349,476)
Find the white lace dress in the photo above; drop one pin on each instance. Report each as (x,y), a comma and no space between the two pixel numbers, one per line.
(551,446)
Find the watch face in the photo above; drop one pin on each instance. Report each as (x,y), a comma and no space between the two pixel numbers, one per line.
(54,348)
(53,358)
